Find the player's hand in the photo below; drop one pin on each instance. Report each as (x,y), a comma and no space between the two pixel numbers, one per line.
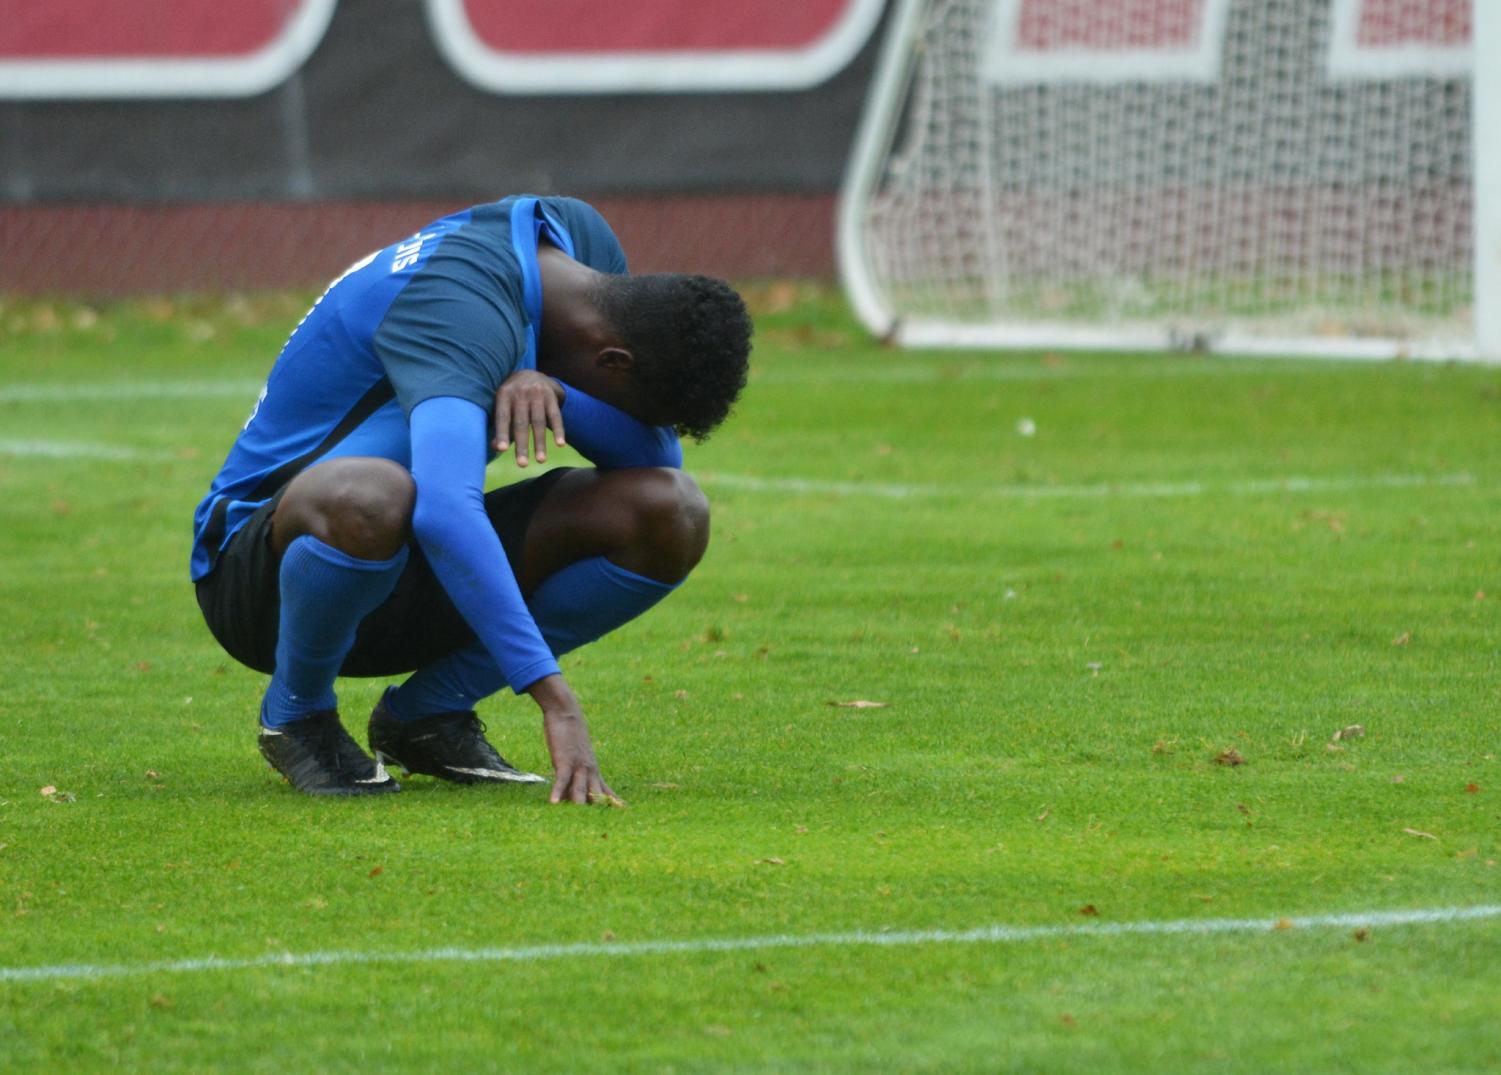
(578,778)
(527,405)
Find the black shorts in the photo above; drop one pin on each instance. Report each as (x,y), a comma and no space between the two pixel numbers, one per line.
(417,624)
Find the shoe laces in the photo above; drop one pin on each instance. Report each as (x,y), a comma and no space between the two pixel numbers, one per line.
(463,727)
(330,740)
(464,734)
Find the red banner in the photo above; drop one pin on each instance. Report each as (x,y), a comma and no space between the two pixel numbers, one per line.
(154,48)
(1381,39)
(605,46)
(664,26)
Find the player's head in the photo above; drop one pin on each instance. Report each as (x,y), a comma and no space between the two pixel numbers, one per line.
(689,342)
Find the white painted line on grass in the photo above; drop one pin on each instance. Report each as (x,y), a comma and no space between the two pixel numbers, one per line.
(937,372)
(64,450)
(1096,491)
(940,372)
(67,449)
(109,391)
(542,953)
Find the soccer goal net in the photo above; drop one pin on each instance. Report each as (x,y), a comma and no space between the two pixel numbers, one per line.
(1253,176)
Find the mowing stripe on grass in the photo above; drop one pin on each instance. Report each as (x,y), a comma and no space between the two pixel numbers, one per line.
(1196,927)
(1099,490)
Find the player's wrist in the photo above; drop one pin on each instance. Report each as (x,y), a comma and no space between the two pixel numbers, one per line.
(552,693)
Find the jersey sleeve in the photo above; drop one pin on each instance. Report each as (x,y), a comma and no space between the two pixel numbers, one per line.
(450,332)
(449,438)
(608,437)
(594,241)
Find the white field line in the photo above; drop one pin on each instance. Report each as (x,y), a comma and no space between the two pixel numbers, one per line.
(937,372)
(543,953)
(940,372)
(1100,490)
(110,391)
(67,449)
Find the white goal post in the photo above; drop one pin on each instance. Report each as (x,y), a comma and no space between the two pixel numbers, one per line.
(1277,177)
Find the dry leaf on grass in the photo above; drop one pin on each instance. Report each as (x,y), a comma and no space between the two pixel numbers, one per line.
(1362,934)
(1472,789)
(1283,923)
(1420,834)
(1351,731)
(1089,911)
(1402,639)
(772,861)
(1229,757)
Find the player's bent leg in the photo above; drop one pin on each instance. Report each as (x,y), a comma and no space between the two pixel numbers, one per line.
(651,521)
(340,530)
(601,548)
(359,505)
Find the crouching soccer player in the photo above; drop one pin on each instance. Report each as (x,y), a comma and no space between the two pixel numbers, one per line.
(349,532)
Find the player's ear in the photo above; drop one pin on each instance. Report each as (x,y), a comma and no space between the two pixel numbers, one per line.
(616,359)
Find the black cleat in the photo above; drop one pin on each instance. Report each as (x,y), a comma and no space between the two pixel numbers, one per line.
(451,746)
(318,757)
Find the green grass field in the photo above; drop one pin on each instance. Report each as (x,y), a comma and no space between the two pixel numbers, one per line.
(1190,561)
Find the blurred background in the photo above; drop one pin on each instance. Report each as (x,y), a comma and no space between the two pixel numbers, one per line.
(163,145)
(1250,176)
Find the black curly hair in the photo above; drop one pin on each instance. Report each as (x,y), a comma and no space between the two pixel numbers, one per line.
(690,337)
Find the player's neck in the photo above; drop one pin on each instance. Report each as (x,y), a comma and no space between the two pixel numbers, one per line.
(572,328)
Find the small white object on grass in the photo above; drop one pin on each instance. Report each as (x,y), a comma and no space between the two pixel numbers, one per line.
(1025,427)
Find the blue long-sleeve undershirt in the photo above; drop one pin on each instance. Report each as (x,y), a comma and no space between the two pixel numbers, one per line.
(609,437)
(449,444)
(449,439)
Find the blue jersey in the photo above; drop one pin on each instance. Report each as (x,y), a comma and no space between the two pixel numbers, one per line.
(451,311)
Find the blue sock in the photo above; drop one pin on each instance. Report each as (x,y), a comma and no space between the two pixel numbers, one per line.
(325,594)
(584,601)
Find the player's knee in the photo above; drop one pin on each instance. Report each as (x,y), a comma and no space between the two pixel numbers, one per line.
(361,506)
(672,523)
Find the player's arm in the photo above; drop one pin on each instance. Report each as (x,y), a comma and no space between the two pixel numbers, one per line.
(529,404)
(450,523)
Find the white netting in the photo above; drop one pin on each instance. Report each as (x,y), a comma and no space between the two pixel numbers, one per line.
(1282,167)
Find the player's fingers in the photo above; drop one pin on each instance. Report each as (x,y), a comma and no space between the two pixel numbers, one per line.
(560,785)
(579,793)
(502,422)
(539,429)
(555,418)
(520,426)
(599,792)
